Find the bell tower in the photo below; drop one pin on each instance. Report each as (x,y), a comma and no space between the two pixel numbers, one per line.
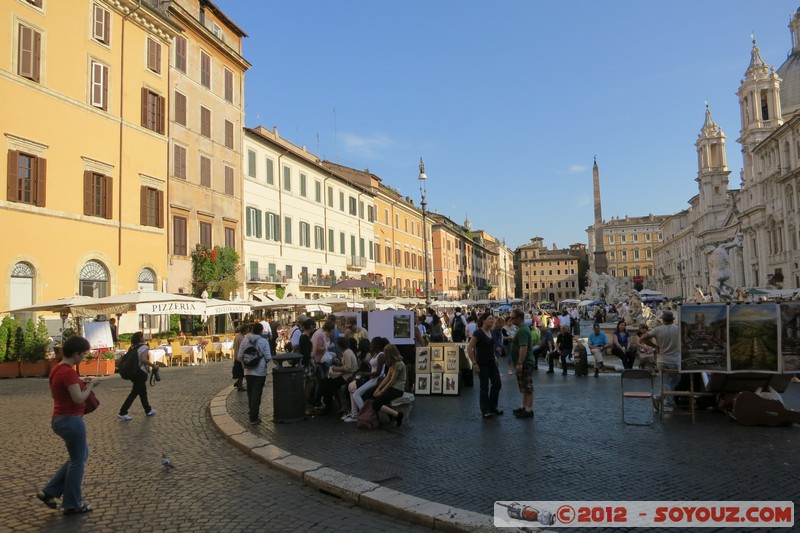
(760,108)
(712,174)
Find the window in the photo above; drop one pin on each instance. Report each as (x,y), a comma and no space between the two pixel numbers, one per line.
(303,188)
(386,218)
(205,171)
(37,3)
(97,195)
(341,243)
(216,30)
(361,211)
(305,235)
(26,178)
(99,94)
(362,248)
(251,163)
(179,163)
(229,134)
(205,70)
(398,258)
(352,205)
(377,253)
(331,243)
(230,237)
(153,56)
(408,259)
(287,230)
(179,236)
(330,197)
(270,171)
(152,111)
(289,271)
(93,280)
(252,222)
(29,53)
(388,256)
(318,191)
(229,181)
(205,234)
(272,227)
(341,201)
(152,207)
(370,213)
(180,53)
(287,178)
(396,221)
(228,86)
(101,26)
(180,108)
(371,248)
(319,238)
(205,122)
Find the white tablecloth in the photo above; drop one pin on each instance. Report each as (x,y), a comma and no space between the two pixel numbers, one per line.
(194,352)
(157,355)
(227,345)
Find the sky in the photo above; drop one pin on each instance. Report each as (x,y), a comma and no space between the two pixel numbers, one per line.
(509,101)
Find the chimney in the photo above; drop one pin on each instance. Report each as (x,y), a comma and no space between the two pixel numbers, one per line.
(275,131)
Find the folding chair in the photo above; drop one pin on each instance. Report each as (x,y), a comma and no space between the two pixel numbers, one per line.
(641,387)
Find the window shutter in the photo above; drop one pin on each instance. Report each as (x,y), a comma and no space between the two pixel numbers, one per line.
(145,94)
(97,84)
(11,194)
(99,32)
(37,49)
(143,206)
(160,208)
(247,224)
(258,223)
(25,52)
(109,192)
(107,26)
(41,181)
(160,103)
(87,192)
(105,88)
(180,109)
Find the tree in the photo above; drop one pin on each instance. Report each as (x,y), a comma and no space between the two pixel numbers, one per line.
(214,270)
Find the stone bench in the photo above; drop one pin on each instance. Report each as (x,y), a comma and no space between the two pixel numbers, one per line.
(403,404)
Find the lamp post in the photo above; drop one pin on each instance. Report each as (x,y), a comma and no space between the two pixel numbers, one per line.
(423,192)
(681,269)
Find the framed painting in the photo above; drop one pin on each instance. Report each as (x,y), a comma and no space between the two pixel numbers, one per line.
(450,384)
(753,338)
(423,360)
(790,337)
(423,384)
(436,383)
(704,338)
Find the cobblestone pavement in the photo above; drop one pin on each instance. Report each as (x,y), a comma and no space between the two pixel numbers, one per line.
(576,448)
(215,486)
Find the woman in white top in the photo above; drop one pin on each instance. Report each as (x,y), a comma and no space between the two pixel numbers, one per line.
(378,368)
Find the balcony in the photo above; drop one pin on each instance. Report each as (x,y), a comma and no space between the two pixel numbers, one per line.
(262,275)
(356,262)
(316,280)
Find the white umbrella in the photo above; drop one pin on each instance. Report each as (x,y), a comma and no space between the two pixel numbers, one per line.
(650,292)
(223,307)
(569,301)
(143,302)
(322,308)
(55,306)
(284,302)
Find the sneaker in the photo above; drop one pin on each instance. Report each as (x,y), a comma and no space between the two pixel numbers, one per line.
(518,410)
(549,372)
(349,419)
(255,422)
(524,414)
(126,418)
(488,414)
(151,412)
(497,412)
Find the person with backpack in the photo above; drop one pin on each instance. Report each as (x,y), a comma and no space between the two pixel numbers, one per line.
(254,354)
(458,327)
(133,366)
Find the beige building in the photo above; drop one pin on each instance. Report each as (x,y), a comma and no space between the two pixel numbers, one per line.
(630,243)
(547,274)
(206,113)
(86,147)
(501,267)
(461,261)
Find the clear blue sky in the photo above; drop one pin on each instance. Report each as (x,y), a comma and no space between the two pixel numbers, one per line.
(508,101)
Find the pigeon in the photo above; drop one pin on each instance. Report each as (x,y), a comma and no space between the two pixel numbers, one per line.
(166,462)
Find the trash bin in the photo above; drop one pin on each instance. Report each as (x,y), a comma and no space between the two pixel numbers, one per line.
(288,399)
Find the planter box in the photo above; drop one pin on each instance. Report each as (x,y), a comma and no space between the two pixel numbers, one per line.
(34,369)
(9,369)
(101,367)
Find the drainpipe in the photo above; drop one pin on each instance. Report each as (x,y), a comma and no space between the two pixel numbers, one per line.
(121,125)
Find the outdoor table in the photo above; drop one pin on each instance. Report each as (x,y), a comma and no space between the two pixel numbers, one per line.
(158,355)
(193,351)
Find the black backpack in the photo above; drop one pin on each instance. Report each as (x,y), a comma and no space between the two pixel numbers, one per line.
(128,364)
(459,330)
(251,357)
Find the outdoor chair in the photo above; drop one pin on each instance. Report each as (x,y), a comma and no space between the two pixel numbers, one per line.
(637,385)
(177,354)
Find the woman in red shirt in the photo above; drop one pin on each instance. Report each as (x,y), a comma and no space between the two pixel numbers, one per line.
(69,394)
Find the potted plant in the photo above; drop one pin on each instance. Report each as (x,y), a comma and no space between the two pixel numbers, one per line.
(33,350)
(100,362)
(9,362)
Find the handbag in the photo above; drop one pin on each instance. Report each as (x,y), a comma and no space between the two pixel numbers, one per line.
(91,403)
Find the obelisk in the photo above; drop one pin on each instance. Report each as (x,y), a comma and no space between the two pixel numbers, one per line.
(600,260)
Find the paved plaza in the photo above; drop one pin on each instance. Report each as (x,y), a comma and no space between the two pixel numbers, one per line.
(576,448)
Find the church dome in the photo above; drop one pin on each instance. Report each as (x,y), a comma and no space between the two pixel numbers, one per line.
(789,73)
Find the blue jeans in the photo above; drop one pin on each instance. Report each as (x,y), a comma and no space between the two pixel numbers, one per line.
(488,397)
(67,480)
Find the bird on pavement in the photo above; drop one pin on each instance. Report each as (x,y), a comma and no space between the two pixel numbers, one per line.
(166,462)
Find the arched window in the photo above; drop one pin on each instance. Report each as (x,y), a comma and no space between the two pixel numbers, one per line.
(94,280)
(147,279)
(22,276)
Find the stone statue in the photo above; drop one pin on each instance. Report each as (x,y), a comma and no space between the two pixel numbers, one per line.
(719,269)
(638,314)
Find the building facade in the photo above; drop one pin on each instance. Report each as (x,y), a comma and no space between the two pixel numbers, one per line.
(461,262)
(87,153)
(544,274)
(206,116)
(305,227)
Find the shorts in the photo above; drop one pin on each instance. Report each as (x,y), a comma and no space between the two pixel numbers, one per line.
(525,379)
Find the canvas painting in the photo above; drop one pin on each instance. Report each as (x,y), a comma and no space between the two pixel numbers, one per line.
(451,353)
(790,337)
(753,338)
(704,338)
(402,327)
(436,383)
(450,384)
(437,357)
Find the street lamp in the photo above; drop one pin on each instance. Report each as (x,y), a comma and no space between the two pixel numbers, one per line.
(423,192)
(681,269)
